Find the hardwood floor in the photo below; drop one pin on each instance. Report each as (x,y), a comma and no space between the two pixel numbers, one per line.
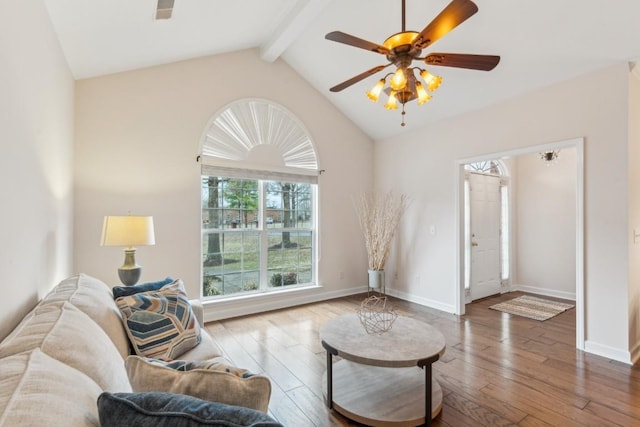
(498,369)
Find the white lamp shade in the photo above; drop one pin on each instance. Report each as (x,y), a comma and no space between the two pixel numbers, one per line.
(127,230)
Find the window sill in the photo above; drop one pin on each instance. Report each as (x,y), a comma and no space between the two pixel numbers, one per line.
(240,305)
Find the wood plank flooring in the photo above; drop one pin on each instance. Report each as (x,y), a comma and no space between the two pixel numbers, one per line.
(498,369)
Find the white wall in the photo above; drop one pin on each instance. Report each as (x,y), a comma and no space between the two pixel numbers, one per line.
(36,137)
(137,137)
(634,214)
(546,226)
(423,165)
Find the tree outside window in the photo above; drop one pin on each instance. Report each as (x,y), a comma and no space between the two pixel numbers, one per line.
(257,235)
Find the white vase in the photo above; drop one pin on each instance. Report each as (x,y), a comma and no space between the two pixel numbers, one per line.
(376,280)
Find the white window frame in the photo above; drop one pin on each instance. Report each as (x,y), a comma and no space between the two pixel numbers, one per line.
(263,177)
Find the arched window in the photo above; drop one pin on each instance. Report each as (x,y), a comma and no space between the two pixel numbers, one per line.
(259,185)
(490,167)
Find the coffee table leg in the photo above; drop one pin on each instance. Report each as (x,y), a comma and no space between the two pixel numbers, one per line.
(427,394)
(428,378)
(330,352)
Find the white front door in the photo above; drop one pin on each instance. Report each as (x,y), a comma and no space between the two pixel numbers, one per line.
(484,198)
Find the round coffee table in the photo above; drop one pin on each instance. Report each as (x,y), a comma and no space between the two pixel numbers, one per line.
(378,382)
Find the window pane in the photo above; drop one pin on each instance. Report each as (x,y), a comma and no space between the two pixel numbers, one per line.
(288,204)
(504,229)
(231,260)
(241,198)
(234,265)
(467,236)
(212,211)
(289,258)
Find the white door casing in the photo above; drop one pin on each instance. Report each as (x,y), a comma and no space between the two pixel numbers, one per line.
(578,144)
(484,198)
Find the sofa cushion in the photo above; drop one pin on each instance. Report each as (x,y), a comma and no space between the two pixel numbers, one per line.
(125,291)
(160,324)
(94,298)
(66,334)
(171,410)
(37,390)
(207,349)
(214,380)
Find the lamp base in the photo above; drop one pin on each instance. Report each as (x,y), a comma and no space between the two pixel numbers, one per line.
(129,276)
(130,272)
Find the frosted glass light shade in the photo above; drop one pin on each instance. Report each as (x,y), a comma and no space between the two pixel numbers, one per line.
(399,80)
(423,96)
(433,82)
(127,230)
(374,94)
(392,102)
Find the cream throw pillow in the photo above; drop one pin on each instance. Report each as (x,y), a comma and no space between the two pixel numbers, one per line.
(215,382)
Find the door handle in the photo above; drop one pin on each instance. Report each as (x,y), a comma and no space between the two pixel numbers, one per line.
(474,244)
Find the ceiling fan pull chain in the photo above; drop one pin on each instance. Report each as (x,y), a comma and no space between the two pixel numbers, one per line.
(403,113)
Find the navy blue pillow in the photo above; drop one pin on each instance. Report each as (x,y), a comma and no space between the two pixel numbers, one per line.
(156,409)
(125,291)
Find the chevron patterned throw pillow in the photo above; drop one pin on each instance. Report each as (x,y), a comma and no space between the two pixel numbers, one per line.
(160,324)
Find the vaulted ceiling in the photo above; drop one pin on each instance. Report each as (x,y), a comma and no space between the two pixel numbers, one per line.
(541,42)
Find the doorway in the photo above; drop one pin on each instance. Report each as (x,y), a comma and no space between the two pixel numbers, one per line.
(464,238)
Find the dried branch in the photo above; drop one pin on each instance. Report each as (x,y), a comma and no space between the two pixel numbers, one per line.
(379,215)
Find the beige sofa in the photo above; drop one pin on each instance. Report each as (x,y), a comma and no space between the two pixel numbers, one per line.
(72,346)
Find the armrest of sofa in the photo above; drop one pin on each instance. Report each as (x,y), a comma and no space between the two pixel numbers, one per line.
(198,310)
(207,349)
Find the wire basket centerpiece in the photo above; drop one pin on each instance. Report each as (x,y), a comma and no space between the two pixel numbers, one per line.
(376,316)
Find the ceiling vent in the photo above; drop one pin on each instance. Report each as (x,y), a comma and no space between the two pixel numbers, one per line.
(164,9)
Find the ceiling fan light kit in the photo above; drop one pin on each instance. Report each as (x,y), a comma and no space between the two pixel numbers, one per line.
(402,48)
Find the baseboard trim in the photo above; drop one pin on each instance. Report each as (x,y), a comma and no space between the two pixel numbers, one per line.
(589,346)
(608,352)
(544,291)
(252,304)
(421,300)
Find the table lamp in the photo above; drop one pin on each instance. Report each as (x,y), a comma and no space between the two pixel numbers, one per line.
(128,231)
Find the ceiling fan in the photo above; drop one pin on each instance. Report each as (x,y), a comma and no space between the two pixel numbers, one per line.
(402,48)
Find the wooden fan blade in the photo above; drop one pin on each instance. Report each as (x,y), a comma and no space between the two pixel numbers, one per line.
(345,84)
(340,37)
(451,16)
(463,60)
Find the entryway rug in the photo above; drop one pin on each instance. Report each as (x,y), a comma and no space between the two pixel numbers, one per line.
(532,307)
